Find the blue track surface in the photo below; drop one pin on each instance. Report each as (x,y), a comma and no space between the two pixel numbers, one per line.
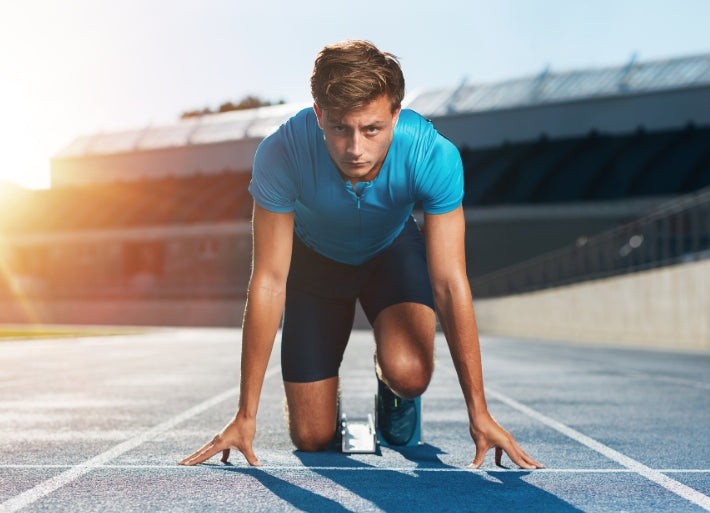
(98,424)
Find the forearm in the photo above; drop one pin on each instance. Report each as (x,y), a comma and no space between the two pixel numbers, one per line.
(261,321)
(455,309)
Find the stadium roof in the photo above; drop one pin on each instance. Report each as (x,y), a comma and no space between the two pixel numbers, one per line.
(548,87)
(212,128)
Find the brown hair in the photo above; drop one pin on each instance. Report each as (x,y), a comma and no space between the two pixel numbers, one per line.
(349,75)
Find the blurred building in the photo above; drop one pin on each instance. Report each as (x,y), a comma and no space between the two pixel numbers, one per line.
(151,226)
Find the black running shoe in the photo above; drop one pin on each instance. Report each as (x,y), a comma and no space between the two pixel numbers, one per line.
(396,417)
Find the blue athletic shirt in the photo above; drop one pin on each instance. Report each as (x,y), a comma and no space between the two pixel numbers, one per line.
(293,172)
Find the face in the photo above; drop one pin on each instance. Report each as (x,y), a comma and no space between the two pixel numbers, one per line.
(358,141)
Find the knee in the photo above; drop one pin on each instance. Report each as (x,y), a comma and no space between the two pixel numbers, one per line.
(409,389)
(312,439)
(408,380)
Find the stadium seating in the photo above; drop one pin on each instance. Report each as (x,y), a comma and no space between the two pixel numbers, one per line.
(159,202)
(592,168)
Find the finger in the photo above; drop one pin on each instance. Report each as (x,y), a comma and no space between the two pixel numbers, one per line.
(225,456)
(499,456)
(531,461)
(481,451)
(204,453)
(521,458)
(251,457)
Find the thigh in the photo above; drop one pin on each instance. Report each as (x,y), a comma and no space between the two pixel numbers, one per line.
(314,336)
(318,316)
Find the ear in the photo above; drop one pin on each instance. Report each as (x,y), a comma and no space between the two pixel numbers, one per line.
(319,115)
(395,116)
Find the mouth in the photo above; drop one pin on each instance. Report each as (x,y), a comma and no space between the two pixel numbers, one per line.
(355,164)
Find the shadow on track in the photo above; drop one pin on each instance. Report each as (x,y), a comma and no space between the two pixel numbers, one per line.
(430,486)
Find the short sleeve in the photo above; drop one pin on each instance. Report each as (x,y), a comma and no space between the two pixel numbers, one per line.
(273,185)
(440,177)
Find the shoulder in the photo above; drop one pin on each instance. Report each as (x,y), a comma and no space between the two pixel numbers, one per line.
(305,118)
(421,137)
(419,132)
(301,127)
(411,122)
(301,124)
(293,135)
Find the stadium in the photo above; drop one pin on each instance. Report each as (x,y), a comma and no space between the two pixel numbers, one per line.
(578,185)
(587,205)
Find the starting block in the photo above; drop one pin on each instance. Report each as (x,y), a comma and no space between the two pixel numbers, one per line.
(361,436)
(358,436)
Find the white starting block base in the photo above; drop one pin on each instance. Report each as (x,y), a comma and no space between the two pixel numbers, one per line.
(358,436)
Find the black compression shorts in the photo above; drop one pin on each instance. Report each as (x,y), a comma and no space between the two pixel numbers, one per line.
(321,295)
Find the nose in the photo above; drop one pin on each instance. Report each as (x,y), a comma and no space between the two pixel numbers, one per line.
(353,147)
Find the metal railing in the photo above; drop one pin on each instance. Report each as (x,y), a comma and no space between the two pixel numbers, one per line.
(676,232)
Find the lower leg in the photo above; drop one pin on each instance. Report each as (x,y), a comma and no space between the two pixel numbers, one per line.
(312,413)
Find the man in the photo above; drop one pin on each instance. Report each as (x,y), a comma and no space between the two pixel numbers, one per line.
(334,190)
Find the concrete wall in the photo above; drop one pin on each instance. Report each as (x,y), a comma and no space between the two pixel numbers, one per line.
(666,308)
(662,308)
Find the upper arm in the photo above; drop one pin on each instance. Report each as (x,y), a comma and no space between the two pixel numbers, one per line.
(445,244)
(272,244)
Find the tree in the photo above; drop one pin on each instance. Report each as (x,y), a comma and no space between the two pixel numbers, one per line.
(248,102)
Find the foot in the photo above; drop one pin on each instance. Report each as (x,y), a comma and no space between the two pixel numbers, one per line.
(396,417)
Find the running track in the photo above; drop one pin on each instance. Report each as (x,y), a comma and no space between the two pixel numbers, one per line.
(98,424)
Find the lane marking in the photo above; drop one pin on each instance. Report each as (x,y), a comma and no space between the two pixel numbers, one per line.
(46,487)
(678,488)
(291,468)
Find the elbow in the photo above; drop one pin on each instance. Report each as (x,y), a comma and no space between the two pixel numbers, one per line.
(270,283)
(451,290)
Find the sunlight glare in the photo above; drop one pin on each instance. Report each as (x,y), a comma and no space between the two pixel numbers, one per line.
(22,162)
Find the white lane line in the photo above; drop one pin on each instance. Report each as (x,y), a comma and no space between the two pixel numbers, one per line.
(46,487)
(291,468)
(684,491)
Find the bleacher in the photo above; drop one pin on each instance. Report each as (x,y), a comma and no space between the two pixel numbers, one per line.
(157,202)
(597,167)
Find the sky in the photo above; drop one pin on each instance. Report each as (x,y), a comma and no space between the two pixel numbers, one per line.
(80,67)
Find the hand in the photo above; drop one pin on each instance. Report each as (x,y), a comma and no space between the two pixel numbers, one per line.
(238,434)
(487,434)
